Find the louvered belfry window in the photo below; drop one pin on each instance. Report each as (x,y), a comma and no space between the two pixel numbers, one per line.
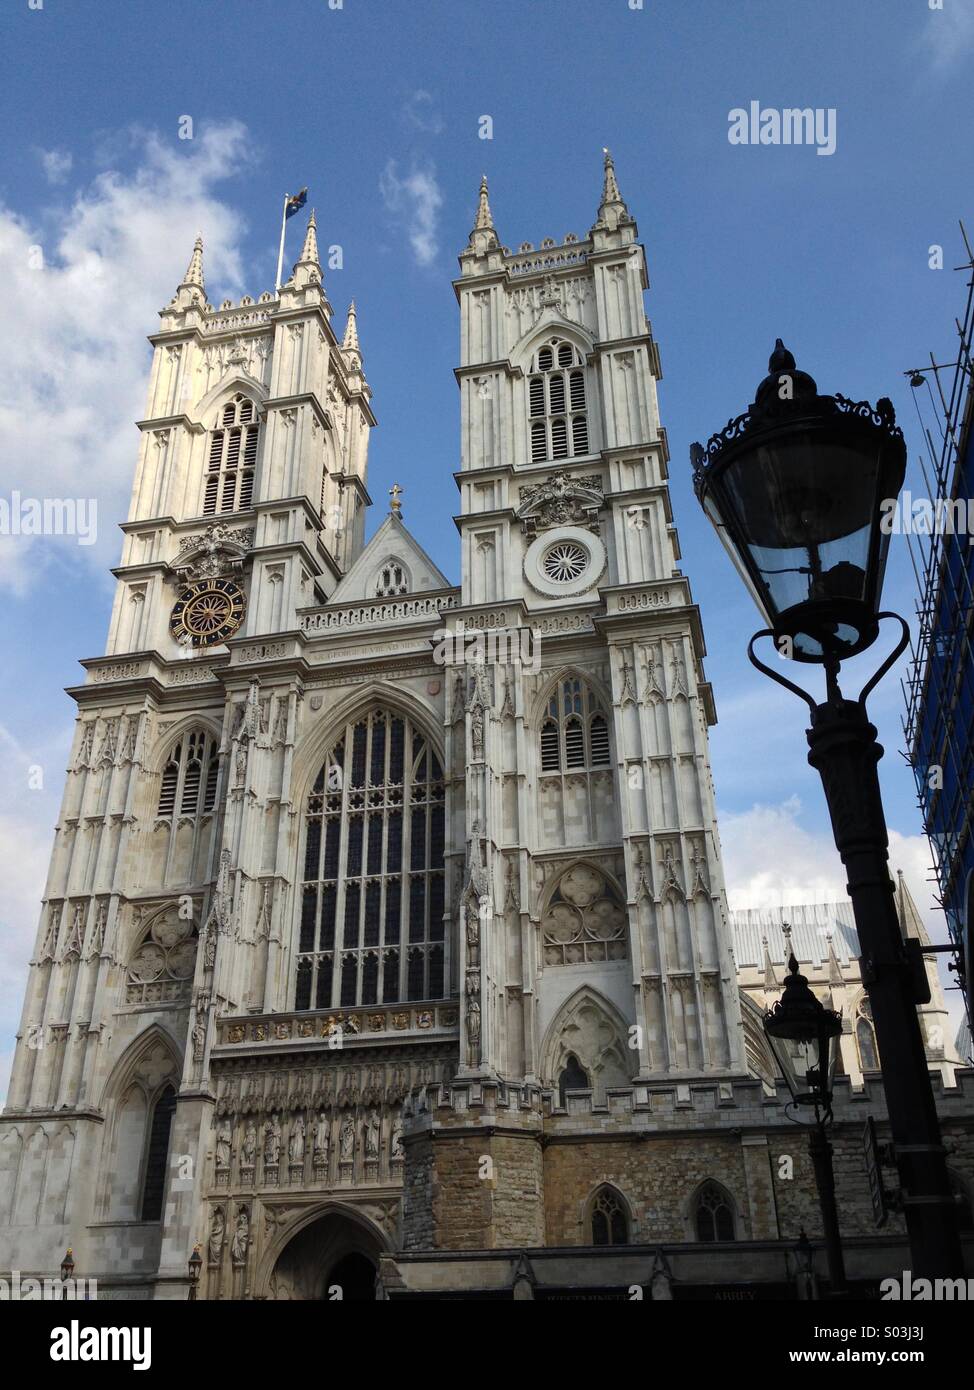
(371,915)
(556,403)
(189,778)
(575,730)
(232,459)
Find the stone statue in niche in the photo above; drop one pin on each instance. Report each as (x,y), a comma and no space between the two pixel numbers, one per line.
(346,1138)
(241,1237)
(321,1140)
(296,1142)
(250,1145)
(477,732)
(372,1135)
(223,1146)
(395,1139)
(218,1226)
(272,1142)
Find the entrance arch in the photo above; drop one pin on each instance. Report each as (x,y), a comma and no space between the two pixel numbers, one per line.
(338,1250)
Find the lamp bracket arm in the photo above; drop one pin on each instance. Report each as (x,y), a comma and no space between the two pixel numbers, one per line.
(893,657)
(782,680)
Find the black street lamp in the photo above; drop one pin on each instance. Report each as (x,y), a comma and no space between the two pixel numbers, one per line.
(195,1269)
(804,1037)
(796,488)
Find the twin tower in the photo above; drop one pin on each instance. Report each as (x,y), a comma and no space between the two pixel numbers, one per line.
(319,894)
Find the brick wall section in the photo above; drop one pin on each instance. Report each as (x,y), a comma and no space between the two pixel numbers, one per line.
(417,1194)
(656,1176)
(547,1165)
(473,1189)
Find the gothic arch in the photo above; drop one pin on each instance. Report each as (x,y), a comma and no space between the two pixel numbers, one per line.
(206,413)
(386,562)
(131,1060)
(710,1187)
(149,1065)
(587,1208)
(311,753)
(587,863)
(595,684)
(372,1237)
(590,1027)
(552,323)
(165,743)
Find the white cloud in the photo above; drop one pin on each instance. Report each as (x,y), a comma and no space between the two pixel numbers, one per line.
(948,34)
(771,860)
(420,111)
(415,201)
(83,286)
(57,164)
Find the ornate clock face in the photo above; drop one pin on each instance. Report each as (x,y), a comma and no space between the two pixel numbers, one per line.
(207,612)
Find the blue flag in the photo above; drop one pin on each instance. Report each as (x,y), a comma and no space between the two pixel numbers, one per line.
(294,202)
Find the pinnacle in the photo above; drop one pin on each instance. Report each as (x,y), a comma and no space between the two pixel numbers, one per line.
(350,341)
(485,221)
(309,251)
(194,271)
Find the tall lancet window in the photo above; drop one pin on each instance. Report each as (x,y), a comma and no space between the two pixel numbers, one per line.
(371,926)
(232,459)
(557,413)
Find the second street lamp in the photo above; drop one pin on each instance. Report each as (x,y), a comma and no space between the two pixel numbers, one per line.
(804,1035)
(797,488)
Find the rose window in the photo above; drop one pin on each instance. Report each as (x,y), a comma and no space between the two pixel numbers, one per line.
(564,562)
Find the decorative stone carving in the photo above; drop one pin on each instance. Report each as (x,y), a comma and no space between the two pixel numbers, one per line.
(219,551)
(218,1226)
(241,1237)
(561,500)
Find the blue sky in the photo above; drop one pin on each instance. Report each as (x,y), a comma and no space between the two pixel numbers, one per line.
(376,106)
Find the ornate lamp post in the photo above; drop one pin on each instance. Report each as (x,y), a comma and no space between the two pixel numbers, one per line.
(796,489)
(804,1036)
(67,1265)
(195,1269)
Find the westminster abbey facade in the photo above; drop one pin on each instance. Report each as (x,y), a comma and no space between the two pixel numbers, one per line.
(385,946)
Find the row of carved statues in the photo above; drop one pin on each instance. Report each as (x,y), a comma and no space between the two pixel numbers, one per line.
(308,1132)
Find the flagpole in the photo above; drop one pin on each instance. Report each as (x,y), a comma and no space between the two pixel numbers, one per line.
(280,254)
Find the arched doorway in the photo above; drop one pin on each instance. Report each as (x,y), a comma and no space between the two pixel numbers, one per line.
(354,1275)
(334,1259)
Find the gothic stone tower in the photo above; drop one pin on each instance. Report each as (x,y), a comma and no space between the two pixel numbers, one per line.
(362,878)
(594,946)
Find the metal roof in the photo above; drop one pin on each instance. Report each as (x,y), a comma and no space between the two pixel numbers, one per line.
(810,924)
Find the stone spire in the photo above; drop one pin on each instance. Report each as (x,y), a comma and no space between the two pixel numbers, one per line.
(306,284)
(194,271)
(485,220)
(612,209)
(190,296)
(771,980)
(483,237)
(309,251)
(911,923)
(350,342)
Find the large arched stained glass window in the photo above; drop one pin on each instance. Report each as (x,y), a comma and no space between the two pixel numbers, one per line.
(371,928)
